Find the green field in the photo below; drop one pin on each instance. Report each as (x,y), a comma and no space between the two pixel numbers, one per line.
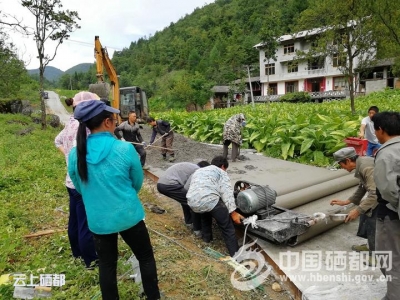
(304,132)
(33,195)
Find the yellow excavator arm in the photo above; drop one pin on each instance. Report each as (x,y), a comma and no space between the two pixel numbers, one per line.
(104,61)
(133,97)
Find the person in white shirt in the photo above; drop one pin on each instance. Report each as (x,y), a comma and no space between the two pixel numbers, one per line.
(211,194)
(367,131)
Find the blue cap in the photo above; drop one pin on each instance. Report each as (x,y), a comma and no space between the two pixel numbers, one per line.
(86,110)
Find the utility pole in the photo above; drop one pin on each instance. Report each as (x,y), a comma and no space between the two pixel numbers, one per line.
(70,82)
(251,88)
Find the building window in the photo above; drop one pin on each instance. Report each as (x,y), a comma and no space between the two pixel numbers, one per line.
(293,67)
(270,69)
(339,60)
(339,84)
(314,43)
(291,86)
(289,48)
(340,39)
(316,63)
(273,89)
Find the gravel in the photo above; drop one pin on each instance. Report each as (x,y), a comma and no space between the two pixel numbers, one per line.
(186,150)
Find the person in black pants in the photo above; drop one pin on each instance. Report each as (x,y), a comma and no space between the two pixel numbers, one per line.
(130,131)
(80,237)
(164,129)
(108,255)
(211,194)
(174,184)
(108,175)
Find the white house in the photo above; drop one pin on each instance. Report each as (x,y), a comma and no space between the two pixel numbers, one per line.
(320,75)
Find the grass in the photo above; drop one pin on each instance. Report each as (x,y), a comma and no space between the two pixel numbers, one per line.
(33,198)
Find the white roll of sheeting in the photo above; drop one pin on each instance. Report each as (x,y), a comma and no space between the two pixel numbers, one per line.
(317,191)
(302,184)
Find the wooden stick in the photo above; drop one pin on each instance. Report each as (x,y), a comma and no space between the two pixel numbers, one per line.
(153,146)
(43,232)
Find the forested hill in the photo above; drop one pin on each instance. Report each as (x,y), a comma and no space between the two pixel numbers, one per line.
(209,46)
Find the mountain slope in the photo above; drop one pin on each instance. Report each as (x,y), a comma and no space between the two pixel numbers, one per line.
(50,73)
(54,74)
(216,41)
(81,68)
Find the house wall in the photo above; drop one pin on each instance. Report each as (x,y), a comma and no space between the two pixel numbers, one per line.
(304,76)
(375,85)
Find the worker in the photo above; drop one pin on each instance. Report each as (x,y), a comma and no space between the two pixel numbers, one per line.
(348,159)
(211,194)
(233,135)
(174,183)
(367,131)
(130,131)
(79,235)
(164,129)
(108,174)
(386,175)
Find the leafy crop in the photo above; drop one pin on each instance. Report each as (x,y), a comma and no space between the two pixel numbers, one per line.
(305,132)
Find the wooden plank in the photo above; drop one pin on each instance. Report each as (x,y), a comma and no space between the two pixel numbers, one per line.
(44,232)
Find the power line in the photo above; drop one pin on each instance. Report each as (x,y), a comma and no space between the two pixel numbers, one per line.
(86,44)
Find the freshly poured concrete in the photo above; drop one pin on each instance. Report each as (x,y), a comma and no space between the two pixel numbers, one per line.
(287,177)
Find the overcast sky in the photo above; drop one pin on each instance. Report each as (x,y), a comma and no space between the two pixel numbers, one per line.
(116,22)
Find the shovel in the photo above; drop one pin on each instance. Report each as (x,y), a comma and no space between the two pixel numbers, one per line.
(23,292)
(163,135)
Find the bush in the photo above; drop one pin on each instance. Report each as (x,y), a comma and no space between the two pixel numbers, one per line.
(296,97)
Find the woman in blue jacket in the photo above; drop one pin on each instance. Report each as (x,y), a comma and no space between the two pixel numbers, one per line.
(108,174)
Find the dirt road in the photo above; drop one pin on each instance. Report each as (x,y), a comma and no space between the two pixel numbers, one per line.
(55,107)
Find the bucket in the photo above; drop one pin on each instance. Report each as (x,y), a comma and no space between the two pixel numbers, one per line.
(360,145)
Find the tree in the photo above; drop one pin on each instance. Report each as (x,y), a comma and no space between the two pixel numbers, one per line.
(270,32)
(344,31)
(51,23)
(201,88)
(386,16)
(12,71)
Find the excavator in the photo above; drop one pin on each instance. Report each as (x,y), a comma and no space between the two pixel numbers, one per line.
(125,99)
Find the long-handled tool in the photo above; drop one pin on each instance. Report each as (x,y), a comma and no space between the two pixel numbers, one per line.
(140,144)
(162,136)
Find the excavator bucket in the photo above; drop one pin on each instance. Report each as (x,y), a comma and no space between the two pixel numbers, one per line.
(101,89)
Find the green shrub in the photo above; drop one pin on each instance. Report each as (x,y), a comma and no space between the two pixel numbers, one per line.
(296,97)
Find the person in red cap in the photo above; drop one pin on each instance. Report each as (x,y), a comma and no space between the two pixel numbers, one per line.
(80,237)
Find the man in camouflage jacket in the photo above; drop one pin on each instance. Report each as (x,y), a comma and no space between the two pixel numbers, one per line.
(233,135)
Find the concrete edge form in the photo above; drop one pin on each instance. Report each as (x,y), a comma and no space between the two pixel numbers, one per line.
(288,285)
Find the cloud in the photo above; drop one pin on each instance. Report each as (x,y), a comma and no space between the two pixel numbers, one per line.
(116,22)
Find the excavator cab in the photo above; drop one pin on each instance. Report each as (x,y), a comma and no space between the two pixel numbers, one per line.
(133,99)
